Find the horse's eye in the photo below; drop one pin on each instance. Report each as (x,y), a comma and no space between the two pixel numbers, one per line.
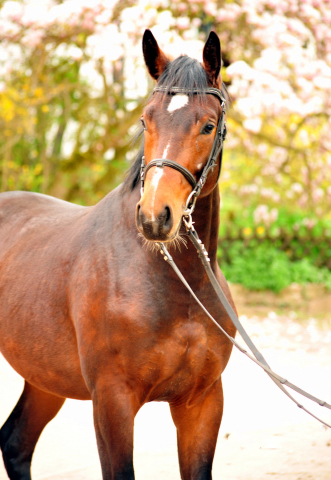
(207,129)
(143,123)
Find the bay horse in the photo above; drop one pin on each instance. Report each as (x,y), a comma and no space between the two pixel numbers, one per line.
(87,311)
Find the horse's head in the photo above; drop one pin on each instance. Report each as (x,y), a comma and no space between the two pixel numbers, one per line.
(180,127)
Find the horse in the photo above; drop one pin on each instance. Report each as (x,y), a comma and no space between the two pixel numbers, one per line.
(89,310)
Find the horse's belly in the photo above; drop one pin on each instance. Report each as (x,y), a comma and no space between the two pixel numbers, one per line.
(37,336)
(45,367)
(44,363)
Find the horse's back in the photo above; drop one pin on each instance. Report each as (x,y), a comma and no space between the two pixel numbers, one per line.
(16,207)
(27,200)
(21,213)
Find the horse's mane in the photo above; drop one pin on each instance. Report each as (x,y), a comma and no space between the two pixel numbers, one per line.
(183,72)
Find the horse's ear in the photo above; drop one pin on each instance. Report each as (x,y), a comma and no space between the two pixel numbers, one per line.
(156,61)
(212,59)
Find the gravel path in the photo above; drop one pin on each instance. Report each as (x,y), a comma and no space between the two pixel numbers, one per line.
(263,436)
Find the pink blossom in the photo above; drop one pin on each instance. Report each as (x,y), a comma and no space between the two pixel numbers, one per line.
(253,124)
(297,187)
(33,38)
(249,189)
(182,7)
(183,22)
(303,200)
(309,222)
(227,15)
(263,215)
(210,8)
(318,193)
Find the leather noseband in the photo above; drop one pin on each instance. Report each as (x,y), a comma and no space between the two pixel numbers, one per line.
(165,162)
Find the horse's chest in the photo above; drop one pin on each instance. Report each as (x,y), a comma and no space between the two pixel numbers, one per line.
(187,358)
(164,347)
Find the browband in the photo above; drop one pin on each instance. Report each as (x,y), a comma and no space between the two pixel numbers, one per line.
(195,91)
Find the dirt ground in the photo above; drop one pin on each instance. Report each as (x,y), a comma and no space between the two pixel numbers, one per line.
(263,435)
(301,301)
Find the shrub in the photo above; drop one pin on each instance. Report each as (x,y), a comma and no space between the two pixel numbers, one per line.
(264,267)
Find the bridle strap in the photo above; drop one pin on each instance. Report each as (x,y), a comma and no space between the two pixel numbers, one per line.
(216,151)
(195,91)
(259,359)
(165,162)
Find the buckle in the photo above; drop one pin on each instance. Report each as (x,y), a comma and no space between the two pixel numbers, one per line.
(225,131)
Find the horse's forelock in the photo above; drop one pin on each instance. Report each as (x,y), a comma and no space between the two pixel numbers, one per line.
(186,73)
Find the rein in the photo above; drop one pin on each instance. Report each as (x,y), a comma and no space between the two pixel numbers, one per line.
(259,359)
(217,150)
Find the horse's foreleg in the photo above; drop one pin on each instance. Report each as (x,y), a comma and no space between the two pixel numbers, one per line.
(197,430)
(114,410)
(20,432)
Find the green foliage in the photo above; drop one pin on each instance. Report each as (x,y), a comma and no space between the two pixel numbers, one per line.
(294,248)
(264,267)
(259,268)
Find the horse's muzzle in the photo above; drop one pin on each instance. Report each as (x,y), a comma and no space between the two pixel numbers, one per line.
(154,228)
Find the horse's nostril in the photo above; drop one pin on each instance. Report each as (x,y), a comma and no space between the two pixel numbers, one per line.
(139,216)
(165,221)
(167,216)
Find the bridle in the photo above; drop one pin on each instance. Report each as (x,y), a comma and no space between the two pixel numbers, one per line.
(217,151)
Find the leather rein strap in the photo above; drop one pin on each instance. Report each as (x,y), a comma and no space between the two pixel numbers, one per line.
(259,359)
(217,151)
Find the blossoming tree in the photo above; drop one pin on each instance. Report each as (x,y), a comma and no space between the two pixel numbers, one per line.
(72,84)
(280,76)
